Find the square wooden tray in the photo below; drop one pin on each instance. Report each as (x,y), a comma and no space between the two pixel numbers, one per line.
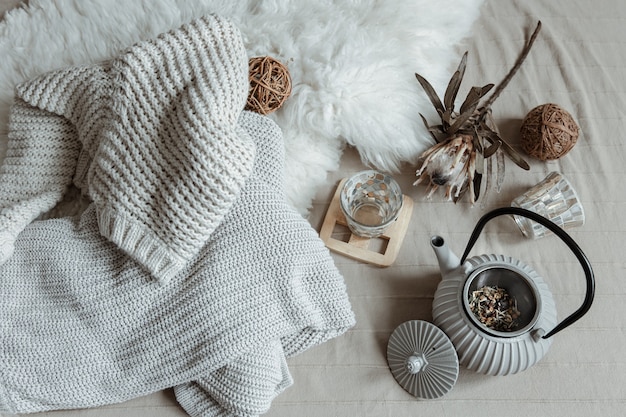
(362,248)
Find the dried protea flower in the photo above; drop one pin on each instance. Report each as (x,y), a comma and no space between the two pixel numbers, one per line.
(450,164)
(468,138)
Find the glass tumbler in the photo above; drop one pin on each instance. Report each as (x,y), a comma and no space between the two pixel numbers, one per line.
(553,198)
(371,202)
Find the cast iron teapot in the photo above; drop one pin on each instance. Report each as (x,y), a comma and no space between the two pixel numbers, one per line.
(482,347)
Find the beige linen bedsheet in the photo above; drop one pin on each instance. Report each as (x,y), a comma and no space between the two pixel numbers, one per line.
(578,62)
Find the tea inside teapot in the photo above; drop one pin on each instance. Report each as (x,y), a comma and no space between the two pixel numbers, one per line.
(501,301)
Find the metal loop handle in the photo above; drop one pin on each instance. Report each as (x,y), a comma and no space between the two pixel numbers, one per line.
(582,258)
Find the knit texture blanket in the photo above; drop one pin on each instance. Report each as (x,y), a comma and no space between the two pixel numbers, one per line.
(158,139)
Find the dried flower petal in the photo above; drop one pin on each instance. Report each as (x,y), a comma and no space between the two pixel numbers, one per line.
(449,164)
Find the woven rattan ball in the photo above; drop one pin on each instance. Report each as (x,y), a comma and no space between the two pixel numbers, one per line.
(270,85)
(548,132)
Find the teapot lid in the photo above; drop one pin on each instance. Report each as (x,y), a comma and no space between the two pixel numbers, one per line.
(422,359)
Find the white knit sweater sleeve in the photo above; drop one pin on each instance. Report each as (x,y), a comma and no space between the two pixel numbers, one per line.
(38,167)
(51,140)
(172,161)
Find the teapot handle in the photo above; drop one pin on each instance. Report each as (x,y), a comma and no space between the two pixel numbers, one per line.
(586,265)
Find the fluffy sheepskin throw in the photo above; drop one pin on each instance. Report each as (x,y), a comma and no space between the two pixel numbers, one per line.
(352,64)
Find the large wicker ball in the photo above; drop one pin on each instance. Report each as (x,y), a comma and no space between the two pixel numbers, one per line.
(270,84)
(548,132)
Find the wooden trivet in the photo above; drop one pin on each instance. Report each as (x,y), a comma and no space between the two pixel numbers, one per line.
(357,247)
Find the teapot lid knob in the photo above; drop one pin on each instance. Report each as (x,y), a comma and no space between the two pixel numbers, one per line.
(422,359)
(415,363)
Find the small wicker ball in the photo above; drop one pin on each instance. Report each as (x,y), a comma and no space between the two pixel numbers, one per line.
(270,84)
(548,132)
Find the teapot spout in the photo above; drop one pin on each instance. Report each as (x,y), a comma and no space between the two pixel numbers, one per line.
(448,261)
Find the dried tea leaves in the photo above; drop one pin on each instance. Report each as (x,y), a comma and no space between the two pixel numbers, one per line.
(495,308)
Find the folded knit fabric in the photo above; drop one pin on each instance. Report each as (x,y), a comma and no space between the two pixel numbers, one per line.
(85,325)
(151,136)
(265,372)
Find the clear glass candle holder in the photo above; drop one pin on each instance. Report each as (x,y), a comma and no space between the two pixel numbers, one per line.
(371,202)
(553,198)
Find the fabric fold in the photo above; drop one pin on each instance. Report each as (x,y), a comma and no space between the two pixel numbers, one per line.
(264,373)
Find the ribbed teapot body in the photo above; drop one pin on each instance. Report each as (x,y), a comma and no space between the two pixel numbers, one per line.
(480,348)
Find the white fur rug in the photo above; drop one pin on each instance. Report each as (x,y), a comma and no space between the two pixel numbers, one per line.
(352,64)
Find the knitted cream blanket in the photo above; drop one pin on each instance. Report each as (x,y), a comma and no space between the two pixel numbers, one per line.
(189,270)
